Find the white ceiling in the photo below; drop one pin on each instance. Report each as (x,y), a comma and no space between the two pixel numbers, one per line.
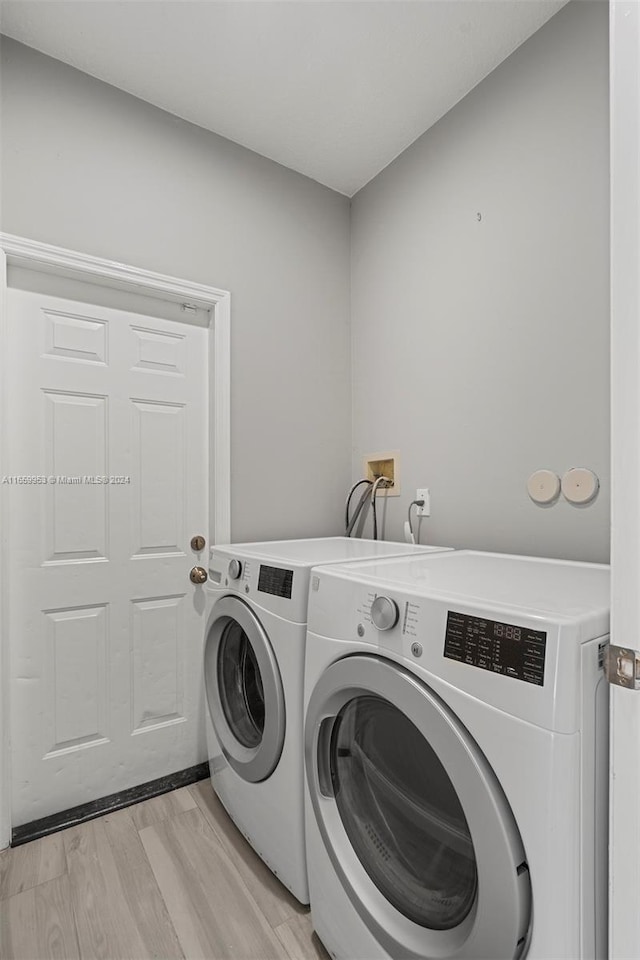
(334,89)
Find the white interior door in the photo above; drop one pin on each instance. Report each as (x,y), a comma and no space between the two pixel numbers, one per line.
(108,412)
(624,915)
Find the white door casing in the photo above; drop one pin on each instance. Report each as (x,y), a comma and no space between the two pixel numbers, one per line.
(125,705)
(106,628)
(624,836)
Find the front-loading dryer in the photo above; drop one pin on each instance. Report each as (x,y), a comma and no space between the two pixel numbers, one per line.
(254,674)
(456,758)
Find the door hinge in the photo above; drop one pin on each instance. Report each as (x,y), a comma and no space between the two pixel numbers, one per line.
(622,666)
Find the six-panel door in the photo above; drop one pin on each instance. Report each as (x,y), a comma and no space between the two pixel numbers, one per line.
(109,462)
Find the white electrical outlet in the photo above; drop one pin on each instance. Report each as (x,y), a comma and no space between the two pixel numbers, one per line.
(423,494)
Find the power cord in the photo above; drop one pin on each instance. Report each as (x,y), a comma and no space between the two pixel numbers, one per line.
(414,503)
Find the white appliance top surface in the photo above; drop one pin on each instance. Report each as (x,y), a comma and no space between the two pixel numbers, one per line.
(550,587)
(323,550)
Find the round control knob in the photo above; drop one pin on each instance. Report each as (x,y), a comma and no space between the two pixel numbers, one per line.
(384,613)
(235,569)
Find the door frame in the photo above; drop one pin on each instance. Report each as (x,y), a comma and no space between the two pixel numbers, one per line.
(46,258)
(624,782)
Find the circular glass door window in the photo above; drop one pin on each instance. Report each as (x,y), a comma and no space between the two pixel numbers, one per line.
(402,814)
(240,686)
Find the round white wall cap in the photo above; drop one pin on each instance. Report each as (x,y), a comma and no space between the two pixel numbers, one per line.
(543,486)
(580,485)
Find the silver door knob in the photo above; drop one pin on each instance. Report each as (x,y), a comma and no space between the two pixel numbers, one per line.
(234,569)
(198,575)
(384,613)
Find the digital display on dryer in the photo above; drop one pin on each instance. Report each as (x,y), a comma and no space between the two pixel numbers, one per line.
(503,648)
(276,581)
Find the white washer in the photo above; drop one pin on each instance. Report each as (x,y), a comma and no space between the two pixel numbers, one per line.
(254,674)
(456,758)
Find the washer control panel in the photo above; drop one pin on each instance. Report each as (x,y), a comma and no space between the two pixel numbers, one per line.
(275,580)
(405,613)
(502,648)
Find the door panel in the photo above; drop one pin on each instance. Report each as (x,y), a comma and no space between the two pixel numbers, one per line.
(162,352)
(75,675)
(157,695)
(76,516)
(106,628)
(158,517)
(75,337)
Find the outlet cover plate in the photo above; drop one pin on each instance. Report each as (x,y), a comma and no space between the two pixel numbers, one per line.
(424,494)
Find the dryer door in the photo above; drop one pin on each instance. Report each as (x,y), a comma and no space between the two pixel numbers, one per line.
(414,821)
(244,690)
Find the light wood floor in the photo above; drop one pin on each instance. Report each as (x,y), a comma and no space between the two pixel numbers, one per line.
(168,878)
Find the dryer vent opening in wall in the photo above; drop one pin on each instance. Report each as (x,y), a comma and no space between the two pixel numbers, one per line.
(383,465)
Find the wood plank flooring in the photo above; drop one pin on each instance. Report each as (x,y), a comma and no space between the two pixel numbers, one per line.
(167,879)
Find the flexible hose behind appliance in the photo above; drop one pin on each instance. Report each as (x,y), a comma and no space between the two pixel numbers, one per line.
(378,482)
(362,504)
(353,489)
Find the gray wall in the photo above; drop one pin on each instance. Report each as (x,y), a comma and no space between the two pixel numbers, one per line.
(480,348)
(88,167)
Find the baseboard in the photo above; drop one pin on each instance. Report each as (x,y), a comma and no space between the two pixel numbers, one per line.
(115,801)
